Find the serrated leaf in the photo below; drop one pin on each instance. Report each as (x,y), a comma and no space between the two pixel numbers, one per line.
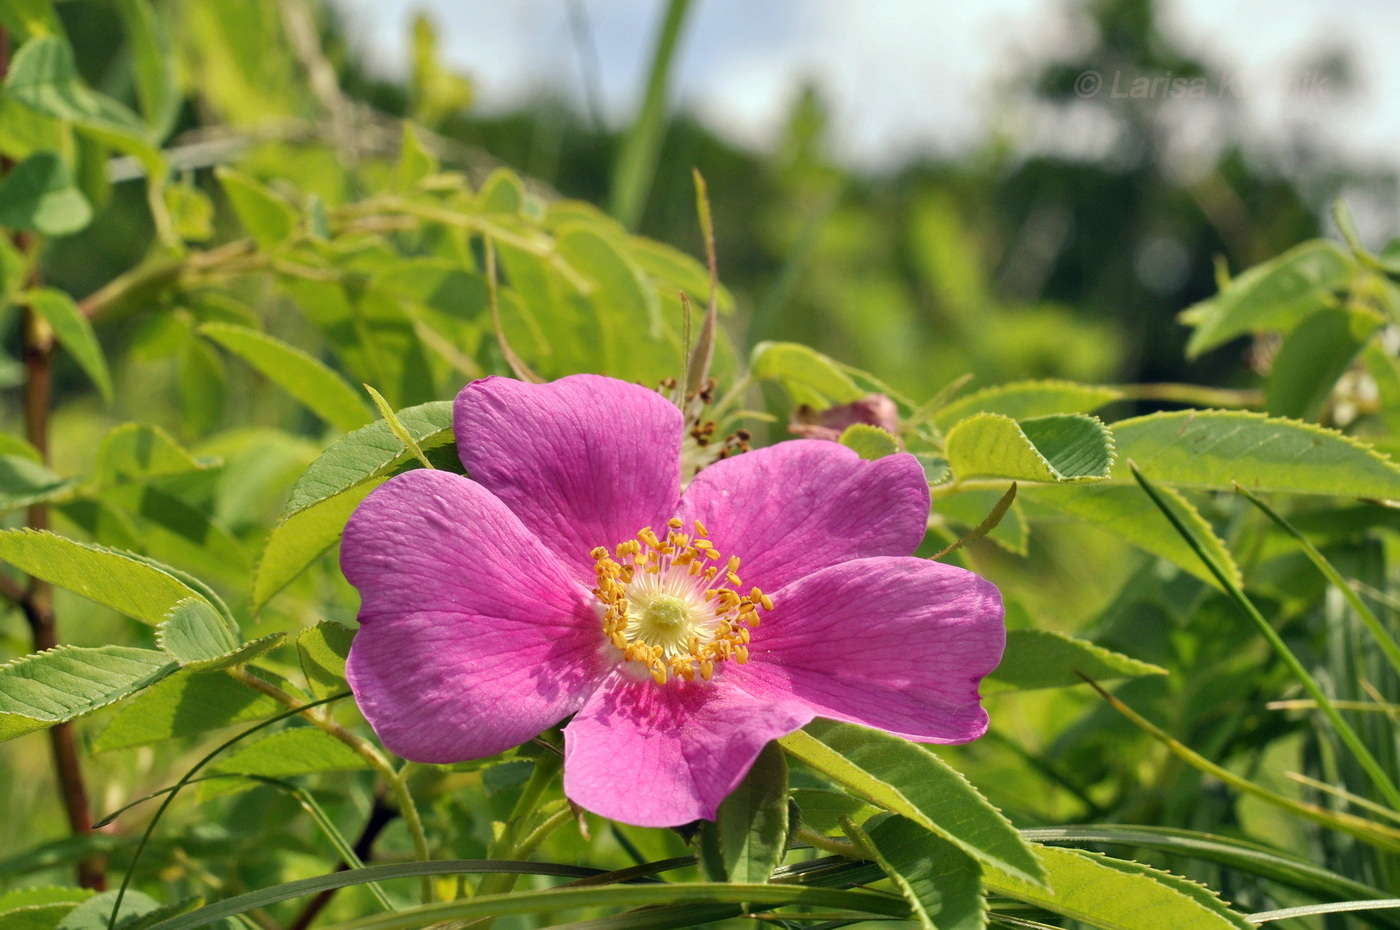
(808,376)
(823,809)
(911,781)
(942,884)
(1046,659)
(1272,296)
(309,380)
(1216,448)
(370,452)
(1088,888)
(1128,513)
(39,194)
(185,704)
(140,452)
(297,751)
(65,682)
(267,217)
(869,442)
(748,837)
(1067,447)
(323,649)
(122,581)
(1313,357)
(302,538)
(1025,399)
(193,632)
(73,332)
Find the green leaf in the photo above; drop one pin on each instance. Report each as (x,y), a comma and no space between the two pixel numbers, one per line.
(267,217)
(141,452)
(1272,296)
(24,482)
(297,751)
(1217,448)
(911,781)
(1099,892)
(30,18)
(370,452)
(302,538)
(1313,357)
(39,195)
(309,380)
(823,809)
(1046,659)
(1022,400)
(416,162)
(1132,516)
(44,77)
(40,690)
(94,913)
(191,212)
(195,632)
(808,376)
(119,580)
(201,380)
(941,883)
(972,508)
(1063,447)
(152,65)
(869,442)
(748,837)
(185,704)
(323,649)
(73,332)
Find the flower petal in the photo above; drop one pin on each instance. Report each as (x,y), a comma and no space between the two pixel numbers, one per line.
(662,756)
(473,636)
(791,509)
(584,461)
(899,644)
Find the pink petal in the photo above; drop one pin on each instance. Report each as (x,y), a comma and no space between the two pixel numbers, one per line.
(662,756)
(584,461)
(473,636)
(799,506)
(898,644)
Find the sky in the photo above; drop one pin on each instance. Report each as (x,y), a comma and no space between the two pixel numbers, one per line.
(908,76)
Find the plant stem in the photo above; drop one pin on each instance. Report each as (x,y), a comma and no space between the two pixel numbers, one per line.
(392,778)
(380,816)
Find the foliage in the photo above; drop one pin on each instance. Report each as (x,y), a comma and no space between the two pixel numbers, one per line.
(222,358)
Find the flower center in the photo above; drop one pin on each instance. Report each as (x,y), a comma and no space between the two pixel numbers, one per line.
(673,606)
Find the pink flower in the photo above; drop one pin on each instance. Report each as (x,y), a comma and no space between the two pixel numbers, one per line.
(570,575)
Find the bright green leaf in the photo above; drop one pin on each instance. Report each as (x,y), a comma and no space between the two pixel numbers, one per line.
(73,332)
(942,884)
(808,376)
(65,682)
(302,538)
(185,704)
(24,482)
(122,581)
(370,452)
(141,452)
(267,217)
(869,442)
(308,379)
(1025,399)
(910,780)
(39,194)
(1313,357)
(1067,447)
(297,751)
(194,632)
(1272,296)
(748,837)
(1046,659)
(323,649)
(1216,448)
(823,809)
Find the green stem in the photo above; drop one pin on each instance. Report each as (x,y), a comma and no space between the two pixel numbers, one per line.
(397,784)
(1368,762)
(829,844)
(636,162)
(510,844)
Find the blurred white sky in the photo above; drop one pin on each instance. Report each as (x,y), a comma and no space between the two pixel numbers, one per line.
(901,75)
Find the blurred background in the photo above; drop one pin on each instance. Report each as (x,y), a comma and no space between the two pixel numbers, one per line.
(1014,189)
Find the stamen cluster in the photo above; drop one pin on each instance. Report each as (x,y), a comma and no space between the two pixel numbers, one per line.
(673,605)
